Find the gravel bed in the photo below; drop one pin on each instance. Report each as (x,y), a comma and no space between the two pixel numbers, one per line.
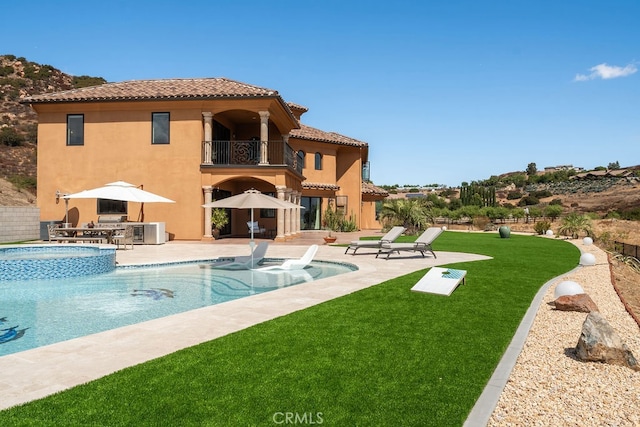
(550,387)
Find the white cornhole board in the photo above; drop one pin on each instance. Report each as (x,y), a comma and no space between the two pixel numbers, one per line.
(441,281)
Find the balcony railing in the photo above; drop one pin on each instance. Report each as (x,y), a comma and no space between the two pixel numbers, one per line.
(232,153)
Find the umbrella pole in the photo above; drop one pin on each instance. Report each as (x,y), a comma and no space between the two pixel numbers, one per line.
(252,244)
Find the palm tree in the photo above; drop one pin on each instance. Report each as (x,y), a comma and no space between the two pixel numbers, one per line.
(574,223)
(413,214)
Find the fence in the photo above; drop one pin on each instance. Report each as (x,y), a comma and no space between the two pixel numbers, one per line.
(627,249)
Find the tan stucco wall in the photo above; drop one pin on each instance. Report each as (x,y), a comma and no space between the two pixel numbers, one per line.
(117,147)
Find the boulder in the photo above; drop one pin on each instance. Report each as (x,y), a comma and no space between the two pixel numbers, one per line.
(599,343)
(578,302)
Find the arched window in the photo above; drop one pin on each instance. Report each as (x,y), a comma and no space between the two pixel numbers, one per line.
(318,161)
(301,158)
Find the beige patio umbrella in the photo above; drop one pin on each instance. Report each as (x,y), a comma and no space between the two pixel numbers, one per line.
(120,190)
(251,199)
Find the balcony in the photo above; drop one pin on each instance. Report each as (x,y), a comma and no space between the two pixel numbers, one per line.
(247,153)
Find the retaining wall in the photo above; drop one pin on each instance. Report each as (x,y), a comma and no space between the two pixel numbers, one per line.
(19,223)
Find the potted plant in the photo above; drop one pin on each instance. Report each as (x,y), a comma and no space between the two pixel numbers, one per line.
(219,219)
(331,223)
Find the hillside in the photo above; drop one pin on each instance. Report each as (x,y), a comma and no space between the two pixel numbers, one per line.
(18,123)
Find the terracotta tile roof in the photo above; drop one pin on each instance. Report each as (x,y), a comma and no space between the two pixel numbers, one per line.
(297,107)
(313,134)
(369,188)
(137,90)
(319,186)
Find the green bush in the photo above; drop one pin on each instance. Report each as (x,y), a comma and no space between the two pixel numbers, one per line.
(541,227)
(513,195)
(9,136)
(528,201)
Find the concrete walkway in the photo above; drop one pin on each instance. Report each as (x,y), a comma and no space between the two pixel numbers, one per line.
(36,373)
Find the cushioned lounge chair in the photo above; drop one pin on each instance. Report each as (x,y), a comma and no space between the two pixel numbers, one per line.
(390,237)
(244,262)
(294,264)
(422,244)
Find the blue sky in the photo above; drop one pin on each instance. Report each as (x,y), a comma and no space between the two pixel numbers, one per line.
(442,91)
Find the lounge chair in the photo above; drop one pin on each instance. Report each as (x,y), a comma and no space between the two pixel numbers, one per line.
(422,244)
(390,237)
(294,264)
(244,262)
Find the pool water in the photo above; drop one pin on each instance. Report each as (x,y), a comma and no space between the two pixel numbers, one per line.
(35,313)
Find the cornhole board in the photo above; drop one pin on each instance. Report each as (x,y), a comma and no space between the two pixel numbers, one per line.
(441,281)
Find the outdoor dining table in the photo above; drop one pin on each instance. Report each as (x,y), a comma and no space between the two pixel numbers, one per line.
(86,233)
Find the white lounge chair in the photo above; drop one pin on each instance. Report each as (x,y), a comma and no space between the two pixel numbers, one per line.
(390,237)
(294,264)
(244,262)
(422,244)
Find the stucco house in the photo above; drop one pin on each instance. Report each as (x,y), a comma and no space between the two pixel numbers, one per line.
(193,141)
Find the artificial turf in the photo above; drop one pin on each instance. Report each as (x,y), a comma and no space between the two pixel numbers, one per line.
(382,356)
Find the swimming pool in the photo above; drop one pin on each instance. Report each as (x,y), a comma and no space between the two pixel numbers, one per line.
(35,313)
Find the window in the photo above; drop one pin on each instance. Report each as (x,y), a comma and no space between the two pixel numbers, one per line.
(318,161)
(160,128)
(301,158)
(75,129)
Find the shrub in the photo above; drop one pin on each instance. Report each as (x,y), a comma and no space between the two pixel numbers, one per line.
(541,227)
(9,136)
(528,201)
(541,194)
(482,223)
(555,202)
(513,195)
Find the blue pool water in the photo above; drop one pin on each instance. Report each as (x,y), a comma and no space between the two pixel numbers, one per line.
(35,313)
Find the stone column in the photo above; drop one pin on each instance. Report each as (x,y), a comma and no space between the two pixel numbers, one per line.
(208,137)
(208,190)
(264,137)
(280,215)
(296,213)
(287,214)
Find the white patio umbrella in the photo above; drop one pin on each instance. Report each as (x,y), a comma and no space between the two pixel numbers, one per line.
(119,190)
(251,199)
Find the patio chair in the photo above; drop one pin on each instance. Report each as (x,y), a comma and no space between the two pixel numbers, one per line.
(294,264)
(390,237)
(123,236)
(422,244)
(244,262)
(255,227)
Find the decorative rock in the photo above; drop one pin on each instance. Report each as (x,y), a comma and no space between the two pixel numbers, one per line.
(549,232)
(580,302)
(599,343)
(567,288)
(587,259)
(587,241)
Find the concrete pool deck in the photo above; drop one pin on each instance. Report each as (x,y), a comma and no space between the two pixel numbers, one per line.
(37,373)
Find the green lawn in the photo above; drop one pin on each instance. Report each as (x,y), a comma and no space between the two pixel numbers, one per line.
(383,356)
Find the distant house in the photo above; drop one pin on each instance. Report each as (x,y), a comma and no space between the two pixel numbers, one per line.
(615,173)
(194,140)
(562,168)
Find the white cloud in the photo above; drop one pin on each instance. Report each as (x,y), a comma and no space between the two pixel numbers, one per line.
(605,72)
